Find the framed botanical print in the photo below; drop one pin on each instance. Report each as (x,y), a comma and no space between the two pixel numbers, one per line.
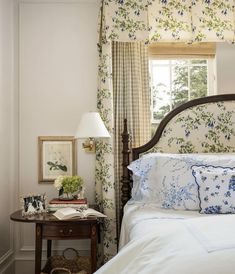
(57,156)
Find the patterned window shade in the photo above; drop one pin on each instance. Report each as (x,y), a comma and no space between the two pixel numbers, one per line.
(183,50)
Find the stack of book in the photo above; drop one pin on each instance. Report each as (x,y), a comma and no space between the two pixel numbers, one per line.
(56,204)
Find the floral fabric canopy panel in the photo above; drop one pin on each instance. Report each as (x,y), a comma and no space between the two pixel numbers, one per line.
(168,20)
(207,128)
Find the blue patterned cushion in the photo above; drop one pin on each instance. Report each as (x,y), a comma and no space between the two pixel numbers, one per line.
(167,180)
(216,187)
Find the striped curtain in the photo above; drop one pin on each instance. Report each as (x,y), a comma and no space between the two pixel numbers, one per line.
(131,100)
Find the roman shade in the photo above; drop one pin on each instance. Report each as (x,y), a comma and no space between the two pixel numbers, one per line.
(181,50)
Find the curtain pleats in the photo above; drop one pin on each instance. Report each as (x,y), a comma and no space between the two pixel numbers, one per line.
(131,100)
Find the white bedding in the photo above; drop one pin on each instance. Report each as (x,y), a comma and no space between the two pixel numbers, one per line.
(164,241)
(214,232)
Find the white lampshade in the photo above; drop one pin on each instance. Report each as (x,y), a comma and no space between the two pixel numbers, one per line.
(91,126)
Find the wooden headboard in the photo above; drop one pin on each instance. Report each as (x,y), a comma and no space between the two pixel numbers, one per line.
(205,125)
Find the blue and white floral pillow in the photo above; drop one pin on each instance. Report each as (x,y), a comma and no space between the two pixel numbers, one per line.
(216,187)
(142,189)
(167,180)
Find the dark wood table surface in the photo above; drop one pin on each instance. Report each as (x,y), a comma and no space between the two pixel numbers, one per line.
(50,228)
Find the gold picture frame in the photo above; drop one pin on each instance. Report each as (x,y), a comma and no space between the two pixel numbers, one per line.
(57,156)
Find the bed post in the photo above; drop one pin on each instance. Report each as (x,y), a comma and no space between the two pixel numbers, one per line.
(126,180)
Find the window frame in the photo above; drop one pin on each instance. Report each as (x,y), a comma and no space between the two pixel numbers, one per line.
(211,77)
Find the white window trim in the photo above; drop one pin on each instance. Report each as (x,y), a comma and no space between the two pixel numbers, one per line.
(211,79)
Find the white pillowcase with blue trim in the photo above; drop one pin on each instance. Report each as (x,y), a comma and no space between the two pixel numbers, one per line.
(216,187)
(167,180)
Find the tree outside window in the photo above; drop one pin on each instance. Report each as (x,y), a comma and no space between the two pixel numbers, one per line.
(174,82)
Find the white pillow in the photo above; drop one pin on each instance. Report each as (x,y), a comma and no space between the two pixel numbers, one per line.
(140,168)
(167,180)
(216,187)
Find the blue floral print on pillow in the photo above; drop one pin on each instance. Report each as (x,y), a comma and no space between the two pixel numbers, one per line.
(216,188)
(176,196)
(167,181)
(171,189)
(232,183)
(142,190)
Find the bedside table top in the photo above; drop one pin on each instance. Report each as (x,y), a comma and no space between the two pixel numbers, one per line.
(48,218)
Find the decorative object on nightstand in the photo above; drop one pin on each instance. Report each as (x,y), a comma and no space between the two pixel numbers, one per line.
(70,213)
(91,126)
(33,204)
(70,187)
(55,204)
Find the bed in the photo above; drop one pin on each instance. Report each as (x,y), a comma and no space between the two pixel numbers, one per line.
(178,194)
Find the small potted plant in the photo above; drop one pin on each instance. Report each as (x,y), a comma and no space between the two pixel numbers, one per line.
(70,187)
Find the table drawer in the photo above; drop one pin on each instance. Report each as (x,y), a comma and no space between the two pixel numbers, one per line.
(69,230)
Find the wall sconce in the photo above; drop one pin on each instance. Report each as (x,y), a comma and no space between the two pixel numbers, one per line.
(91,126)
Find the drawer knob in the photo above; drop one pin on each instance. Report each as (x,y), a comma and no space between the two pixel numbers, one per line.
(66,231)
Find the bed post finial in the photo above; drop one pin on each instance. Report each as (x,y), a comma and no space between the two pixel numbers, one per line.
(125,181)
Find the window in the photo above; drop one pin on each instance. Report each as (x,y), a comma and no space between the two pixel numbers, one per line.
(179,72)
(176,81)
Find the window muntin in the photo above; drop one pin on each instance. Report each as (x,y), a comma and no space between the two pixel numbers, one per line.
(174,82)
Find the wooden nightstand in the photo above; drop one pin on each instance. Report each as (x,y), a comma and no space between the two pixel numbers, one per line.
(50,228)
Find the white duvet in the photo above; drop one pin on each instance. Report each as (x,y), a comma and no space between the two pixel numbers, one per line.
(173,242)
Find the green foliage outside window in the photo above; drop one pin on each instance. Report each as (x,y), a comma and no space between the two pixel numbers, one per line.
(188,81)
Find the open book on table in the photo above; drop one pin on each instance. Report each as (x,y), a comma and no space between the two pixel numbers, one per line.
(69,213)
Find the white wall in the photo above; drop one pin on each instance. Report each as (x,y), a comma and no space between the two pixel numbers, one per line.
(225,58)
(8,137)
(58,82)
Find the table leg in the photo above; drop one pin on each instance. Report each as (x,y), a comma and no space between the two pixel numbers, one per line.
(38,248)
(93,248)
(48,248)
